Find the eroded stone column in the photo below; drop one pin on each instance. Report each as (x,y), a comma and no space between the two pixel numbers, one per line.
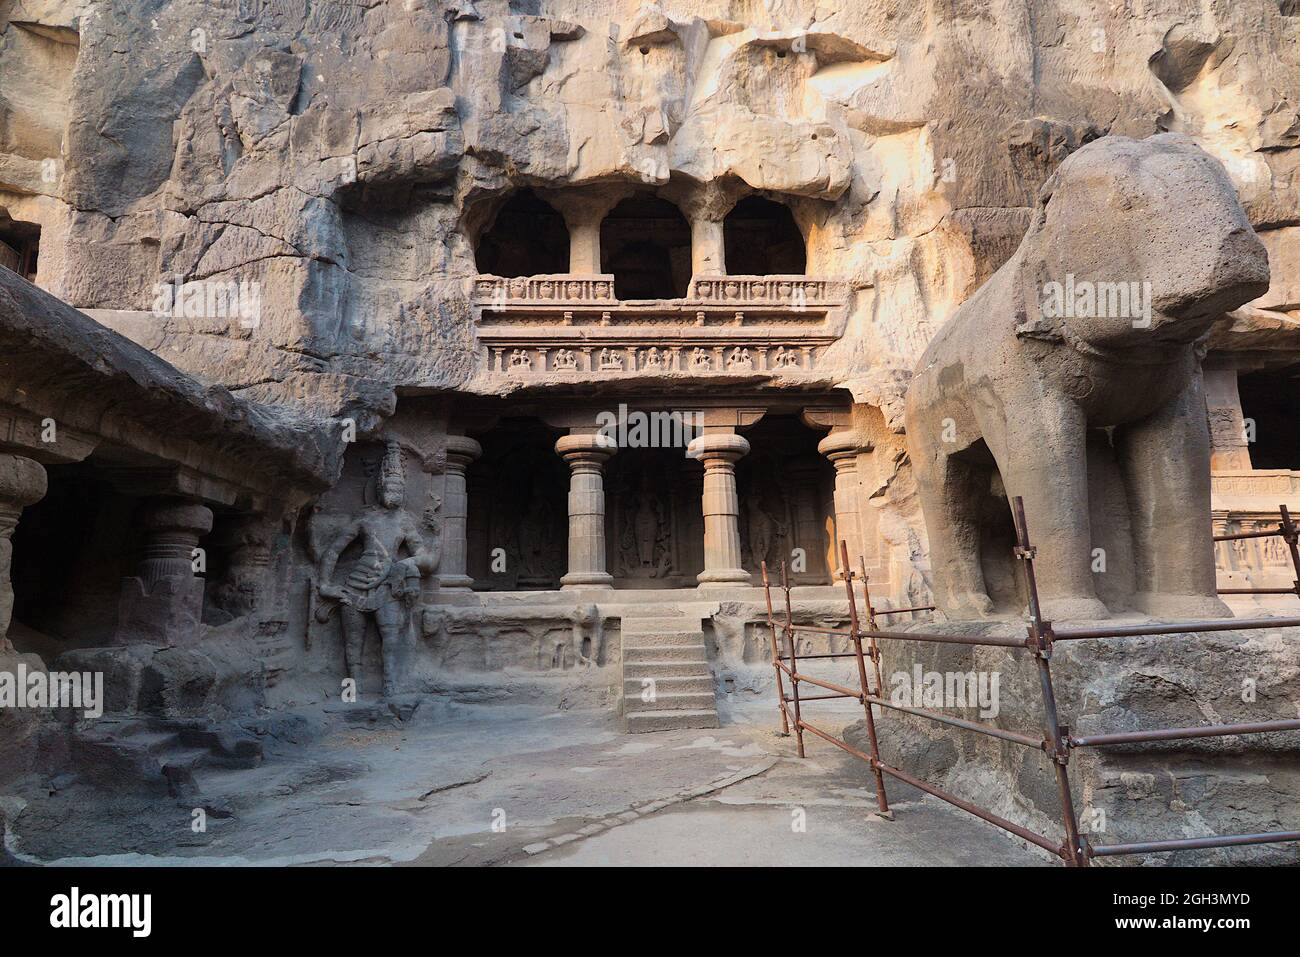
(22,483)
(1229,449)
(163,602)
(584,248)
(706,207)
(719,452)
(586,454)
(708,249)
(583,214)
(842,449)
(244,588)
(452,567)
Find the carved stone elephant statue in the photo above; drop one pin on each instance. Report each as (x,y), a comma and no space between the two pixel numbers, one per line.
(1079,361)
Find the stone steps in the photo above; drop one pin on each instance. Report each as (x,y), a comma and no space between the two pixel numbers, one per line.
(669,684)
(664,701)
(644,653)
(640,721)
(669,650)
(663,669)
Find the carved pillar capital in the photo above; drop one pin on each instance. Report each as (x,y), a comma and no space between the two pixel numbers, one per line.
(843,447)
(586,449)
(461,451)
(172,530)
(22,483)
(717,449)
(583,207)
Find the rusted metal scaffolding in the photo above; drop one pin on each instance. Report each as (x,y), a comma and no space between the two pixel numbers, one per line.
(1054,740)
(1286,531)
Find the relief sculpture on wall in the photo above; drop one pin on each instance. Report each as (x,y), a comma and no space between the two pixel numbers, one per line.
(766,524)
(644,542)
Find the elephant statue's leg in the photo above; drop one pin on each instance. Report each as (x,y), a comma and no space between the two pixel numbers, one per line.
(1166,465)
(1043,459)
(949,490)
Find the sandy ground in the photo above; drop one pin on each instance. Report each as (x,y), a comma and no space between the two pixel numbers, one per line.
(502,784)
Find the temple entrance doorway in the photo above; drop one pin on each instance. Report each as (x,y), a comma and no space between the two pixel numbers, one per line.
(1268,401)
(786,490)
(654,528)
(517,530)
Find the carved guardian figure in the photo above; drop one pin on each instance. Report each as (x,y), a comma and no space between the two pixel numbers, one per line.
(381,585)
(1085,344)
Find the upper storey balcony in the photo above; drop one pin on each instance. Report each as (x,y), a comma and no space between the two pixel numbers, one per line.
(647,291)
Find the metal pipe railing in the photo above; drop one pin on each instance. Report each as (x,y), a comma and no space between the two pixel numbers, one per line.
(1023,832)
(1055,742)
(1173,628)
(1038,744)
(1174,734)
(829,686)
(1193,843)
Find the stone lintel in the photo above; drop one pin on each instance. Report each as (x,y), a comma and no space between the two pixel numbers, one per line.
(184,482)
(23,433)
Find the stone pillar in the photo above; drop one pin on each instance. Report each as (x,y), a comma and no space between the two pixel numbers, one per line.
(708,249)
(583,214)
(842,449)
(244,588)
(705,207)
(22,483)
(452,566)
(584,247)
(1229,451)
(586,454)
(163,602)
(720,452)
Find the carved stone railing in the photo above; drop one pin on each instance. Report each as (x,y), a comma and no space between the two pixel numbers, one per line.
(539,298)
(738,355)
(490,291)
(789,291)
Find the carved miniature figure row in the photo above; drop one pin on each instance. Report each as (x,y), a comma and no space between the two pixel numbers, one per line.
(655,359)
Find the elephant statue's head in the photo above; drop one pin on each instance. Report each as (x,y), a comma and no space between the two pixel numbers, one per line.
(1141,242)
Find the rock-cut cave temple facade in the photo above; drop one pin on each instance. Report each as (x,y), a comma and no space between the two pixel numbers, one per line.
(316,316)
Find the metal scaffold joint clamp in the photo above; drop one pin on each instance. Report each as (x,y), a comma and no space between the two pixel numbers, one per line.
(1040,640)
(1061,748)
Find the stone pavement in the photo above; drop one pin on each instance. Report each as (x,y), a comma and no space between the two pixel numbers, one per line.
(503,784)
